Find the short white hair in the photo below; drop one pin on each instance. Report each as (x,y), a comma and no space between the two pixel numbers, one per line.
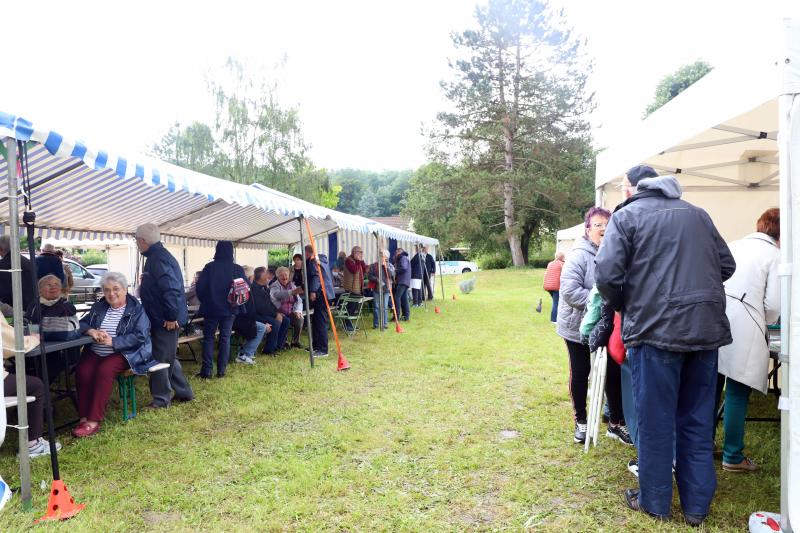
(149,233)
(49,247)
(385,253)
(114,277)
(281,270)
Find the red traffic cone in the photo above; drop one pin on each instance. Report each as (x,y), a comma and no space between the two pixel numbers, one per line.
(437,310)
(61,505)
(342,364)
(398,329)
(454,297)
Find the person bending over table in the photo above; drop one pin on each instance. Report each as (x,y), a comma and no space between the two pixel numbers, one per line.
(37,446)
(121,332)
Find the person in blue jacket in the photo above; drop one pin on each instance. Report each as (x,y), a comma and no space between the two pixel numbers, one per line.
(402,269)
(319,320)
(120,329)
(212,290)
(164,301)
(47,262)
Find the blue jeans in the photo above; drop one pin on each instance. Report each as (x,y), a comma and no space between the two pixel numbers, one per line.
(248,349)
(628,405)
(674,394)
(401,301)
(376,309)
(210,325)
(554,310)
(277,337)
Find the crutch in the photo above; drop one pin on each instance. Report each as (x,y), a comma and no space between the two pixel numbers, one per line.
(598,382)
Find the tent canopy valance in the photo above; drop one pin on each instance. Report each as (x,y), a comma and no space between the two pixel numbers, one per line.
(79,192)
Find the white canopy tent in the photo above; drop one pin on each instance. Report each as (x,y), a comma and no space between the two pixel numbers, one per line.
(565,238)
(733,141)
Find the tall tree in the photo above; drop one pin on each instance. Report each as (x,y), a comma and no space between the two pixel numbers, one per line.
(193,147)
(368,206)
(518,97)
(673,84)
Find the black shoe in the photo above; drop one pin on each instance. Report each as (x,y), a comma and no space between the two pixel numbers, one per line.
(181,400)
(580,432)
(297,345)
(222,375)
(694,520)
(154,407)
(620,433)
(633,467)
(202,376)
(632,501)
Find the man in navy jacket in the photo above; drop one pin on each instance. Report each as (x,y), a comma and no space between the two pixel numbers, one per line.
(164,302)
(319,320)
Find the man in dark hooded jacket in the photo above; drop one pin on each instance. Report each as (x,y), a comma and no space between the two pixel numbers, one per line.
(319,320)
(662,264)
(212,291)
(402,268)
(164,302)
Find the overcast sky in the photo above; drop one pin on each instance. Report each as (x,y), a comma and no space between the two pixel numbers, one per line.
(364,74)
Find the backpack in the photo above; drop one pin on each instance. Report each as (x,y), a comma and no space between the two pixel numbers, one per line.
(239,292)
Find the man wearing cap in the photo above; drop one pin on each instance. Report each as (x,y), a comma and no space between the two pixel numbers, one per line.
(662,265)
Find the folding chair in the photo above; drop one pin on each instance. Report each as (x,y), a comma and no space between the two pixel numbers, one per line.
(597,388)
(346,318)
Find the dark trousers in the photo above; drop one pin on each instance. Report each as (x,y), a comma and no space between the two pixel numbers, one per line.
(297,328)
(163,383)
(319,325)
(277,337)
(417,296)
(426,287)
(94,379)
(580,366)
(674,394)
(210,325)
(401,301)
(628,405)
(33,387)
(554,310)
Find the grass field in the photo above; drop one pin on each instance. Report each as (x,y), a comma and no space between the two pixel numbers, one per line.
(462,423)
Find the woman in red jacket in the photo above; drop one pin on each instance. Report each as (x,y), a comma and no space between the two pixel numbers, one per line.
(552,282)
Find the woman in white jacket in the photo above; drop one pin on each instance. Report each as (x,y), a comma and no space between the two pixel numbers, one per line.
(753,301)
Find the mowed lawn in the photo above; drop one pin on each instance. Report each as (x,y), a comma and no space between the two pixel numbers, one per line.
(462,423)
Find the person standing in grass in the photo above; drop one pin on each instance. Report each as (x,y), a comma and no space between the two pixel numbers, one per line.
(402,269)
(552,282)
(316,296)
(577,279)
(754,301)
(164,300)
(662,265)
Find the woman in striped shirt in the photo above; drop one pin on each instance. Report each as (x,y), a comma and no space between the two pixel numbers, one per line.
(121,333)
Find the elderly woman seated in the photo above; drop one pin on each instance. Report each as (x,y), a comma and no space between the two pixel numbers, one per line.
(121,333)
(59,320)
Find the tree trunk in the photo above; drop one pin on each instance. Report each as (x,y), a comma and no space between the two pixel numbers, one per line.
(509,219)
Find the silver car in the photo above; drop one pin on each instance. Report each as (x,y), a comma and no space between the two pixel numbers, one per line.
(86,286)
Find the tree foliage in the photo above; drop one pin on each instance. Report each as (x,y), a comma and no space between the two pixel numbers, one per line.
(673,84)
(254,139)
(387,187)
(512,158)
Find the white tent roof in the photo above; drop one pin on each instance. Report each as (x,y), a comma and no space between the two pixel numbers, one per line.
(85,193)
(718,137)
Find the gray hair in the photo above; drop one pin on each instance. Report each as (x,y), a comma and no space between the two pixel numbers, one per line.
(385,253)
(114,277)
(149,233)
(5,244)
(248,270)
(49,247)
(46,279)
(281,269)
(560,255)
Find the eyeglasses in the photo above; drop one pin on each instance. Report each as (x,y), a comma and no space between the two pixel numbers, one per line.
(599,225)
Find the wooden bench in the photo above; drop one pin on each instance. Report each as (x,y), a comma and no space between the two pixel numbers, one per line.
(127,390)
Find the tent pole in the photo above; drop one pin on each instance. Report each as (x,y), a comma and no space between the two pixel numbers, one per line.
(379,303)
(441,277)
(305,294)
(19,339)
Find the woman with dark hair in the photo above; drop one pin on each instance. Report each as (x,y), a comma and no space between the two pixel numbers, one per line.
(577,279)
(754,301)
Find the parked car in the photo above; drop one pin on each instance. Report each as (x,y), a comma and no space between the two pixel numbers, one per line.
(457,267)
(98,270)
(86,285)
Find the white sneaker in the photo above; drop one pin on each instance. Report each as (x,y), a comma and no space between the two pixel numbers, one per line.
(246,359)
(5,493)
(41,447)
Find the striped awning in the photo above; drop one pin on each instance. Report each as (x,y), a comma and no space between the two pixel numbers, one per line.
(85,193)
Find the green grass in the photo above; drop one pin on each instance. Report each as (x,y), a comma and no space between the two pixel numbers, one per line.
(409,439)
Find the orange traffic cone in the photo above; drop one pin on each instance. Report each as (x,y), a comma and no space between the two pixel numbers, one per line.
(437,310)
(398,329)
(342,364)
(454,297)
(61,505)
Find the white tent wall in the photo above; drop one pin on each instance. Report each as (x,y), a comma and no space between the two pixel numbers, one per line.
(565,238)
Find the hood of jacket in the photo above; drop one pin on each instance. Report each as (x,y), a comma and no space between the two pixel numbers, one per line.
(667,186)
(224,251)
(586,245)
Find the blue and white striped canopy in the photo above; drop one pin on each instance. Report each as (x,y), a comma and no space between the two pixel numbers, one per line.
(79,192)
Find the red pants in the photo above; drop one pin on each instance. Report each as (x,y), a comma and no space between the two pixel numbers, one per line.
(94,379)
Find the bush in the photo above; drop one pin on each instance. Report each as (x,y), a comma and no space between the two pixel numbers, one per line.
(93,257)
(279,257)
(538,263)
(494,261)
